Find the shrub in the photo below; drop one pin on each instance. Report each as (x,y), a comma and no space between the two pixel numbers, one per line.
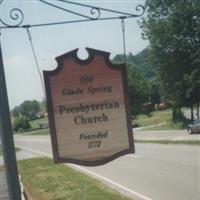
(20,124)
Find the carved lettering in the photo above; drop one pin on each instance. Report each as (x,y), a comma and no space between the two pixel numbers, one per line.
(86,79)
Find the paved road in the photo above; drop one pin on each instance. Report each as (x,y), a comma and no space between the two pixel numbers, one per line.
(159,172)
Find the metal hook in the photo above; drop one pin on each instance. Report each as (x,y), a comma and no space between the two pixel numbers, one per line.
(28,33)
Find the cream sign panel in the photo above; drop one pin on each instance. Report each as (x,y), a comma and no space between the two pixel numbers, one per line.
(88,109)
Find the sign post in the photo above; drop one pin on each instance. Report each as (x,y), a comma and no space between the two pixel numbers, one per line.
(7,139)
(88,109)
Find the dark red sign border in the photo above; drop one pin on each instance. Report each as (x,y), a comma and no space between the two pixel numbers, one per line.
(47,74)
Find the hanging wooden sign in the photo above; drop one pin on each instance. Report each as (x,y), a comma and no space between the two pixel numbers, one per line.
(88,109)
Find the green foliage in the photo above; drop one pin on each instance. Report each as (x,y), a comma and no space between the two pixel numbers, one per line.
(43,105)
(165,118)
(137,90)
(156,117)
(47,181)
(28,109)
(144,86)
(35,123)
(187,142)
(16,112)
(194,90)
(39,132)
(143,83)
(142,61)
(173,29)
(155,91)
(189,88)
(20,124)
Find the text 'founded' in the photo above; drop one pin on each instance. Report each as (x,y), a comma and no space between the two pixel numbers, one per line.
(88,109)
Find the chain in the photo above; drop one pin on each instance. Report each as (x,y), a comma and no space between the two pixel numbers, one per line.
(124,39)
(35,58)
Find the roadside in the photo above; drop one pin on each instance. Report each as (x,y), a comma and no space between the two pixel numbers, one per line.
(149,127)
(3,184)
(129,174)
(167,137)
(37,132)
(141,134)
(43,179)
(160,120)
(156,120)
(21,154)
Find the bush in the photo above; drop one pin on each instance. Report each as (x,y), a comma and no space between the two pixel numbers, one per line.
(20,124)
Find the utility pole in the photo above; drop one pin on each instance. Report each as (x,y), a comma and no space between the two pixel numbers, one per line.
(7,139)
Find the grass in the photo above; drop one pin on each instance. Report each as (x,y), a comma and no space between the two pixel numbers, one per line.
(158,117)
(188,142)
(47,181)
(35,123)
(35,129)
(38,132)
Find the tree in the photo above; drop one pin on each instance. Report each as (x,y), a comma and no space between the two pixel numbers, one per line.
(142,61)
(20,124)
(35,106)
(137,89)
(16,111)
(141,76)
(193,92)
(28,109)
(155,92)
(173,29)
(43,105)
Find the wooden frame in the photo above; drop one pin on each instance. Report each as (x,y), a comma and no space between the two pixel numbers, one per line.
(47,74)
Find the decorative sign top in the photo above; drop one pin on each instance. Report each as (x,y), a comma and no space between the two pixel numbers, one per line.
(88,109)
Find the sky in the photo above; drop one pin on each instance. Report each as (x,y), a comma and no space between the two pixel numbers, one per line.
(22,78)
